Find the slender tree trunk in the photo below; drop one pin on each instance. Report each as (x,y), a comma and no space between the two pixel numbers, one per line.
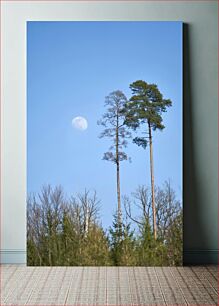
(40,258)
(118,193)
(50,244)
(152,182)
(50,257)
(86,221)
(118,172)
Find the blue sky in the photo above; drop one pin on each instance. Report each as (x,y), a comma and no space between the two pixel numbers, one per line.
(71,67)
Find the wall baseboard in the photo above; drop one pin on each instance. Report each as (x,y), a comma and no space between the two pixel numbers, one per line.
(13,257)
(200,257)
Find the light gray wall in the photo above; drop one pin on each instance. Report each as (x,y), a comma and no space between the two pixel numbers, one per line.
(200,112)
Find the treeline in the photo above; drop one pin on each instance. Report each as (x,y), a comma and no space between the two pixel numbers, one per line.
(67,231)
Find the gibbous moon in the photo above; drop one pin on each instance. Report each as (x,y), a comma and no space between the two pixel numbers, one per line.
(80,123)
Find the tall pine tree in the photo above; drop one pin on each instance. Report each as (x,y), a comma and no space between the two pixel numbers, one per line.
(145,108)
(115,129)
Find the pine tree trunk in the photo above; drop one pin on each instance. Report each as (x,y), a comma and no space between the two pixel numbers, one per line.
(118,193)
(118,172)
(152,182)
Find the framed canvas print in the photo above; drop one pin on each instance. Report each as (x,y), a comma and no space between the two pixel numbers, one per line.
(104,143)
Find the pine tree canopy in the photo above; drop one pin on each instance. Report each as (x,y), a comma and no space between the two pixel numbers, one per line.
(146,106)
(114,127)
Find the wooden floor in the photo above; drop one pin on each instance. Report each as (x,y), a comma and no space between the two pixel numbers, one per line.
(23,285)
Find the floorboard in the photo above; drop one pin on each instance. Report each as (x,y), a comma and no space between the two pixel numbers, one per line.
(128,286)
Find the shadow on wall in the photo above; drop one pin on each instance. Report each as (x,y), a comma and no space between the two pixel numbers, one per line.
(192,225)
